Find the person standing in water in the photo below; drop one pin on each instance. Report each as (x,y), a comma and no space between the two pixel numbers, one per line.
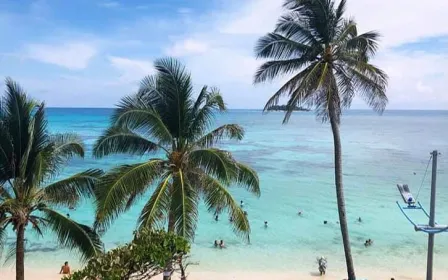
(265,224)
(242,204)
(65,269)
(216,218)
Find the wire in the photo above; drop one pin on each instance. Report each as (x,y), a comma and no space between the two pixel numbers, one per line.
(424,177)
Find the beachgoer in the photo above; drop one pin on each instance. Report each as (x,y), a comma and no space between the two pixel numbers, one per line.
(65,269)
(300,213)
(216,244)
(231,219)
(245,213)
(265,224)
(359,219)
(68,215)
(216,218)
(221,244)
(242,204)
(325,222)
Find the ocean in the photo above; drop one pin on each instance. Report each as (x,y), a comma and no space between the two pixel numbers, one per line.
(295,165)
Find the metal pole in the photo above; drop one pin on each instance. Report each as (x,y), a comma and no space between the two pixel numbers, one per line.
(432,214)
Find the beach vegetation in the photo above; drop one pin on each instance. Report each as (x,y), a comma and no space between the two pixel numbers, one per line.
(327,63)
(143,258)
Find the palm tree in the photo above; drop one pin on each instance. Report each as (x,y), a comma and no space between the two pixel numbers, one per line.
(329,64)
(163,117)
(30,158)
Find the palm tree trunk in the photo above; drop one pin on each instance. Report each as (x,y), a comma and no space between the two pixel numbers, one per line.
(340,193)
(20,253)
(169,265)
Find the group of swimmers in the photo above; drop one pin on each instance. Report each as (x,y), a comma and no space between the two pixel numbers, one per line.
(219,244)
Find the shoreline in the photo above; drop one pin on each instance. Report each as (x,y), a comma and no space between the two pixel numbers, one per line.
(332,274)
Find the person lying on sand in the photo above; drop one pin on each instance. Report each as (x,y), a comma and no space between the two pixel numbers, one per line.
(65,269)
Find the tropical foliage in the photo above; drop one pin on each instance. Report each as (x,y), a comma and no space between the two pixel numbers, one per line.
(328,64)
(163,119)
(30,160)
(143,258)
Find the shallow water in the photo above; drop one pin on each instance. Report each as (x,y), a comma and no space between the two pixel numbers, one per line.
(295,165)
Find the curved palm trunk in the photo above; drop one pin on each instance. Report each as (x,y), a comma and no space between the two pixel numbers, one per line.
(169,265)
(340,193)
(20,253)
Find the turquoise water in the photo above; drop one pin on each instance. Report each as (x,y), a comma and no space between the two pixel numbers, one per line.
(295,165)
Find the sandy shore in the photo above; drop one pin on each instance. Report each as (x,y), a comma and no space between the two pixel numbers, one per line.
(8,274)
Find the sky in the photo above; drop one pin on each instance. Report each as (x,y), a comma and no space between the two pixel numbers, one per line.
(90,53)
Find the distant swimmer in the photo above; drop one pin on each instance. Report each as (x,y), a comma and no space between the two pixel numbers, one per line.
(245,213)
(71,208)
(299,213)
(360,220)
(216,244)
(242,204)
(415,173)
(216,218)
(221,244)
(231,219)
(68,215)
(325,222)
(265,224)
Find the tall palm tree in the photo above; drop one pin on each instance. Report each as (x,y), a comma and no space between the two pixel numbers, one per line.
(329,64)
(163,117)
(30,158)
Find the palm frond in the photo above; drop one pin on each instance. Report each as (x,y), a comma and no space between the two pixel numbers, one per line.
(73,235)
(134,114)
(365,44)
(120,185)
(217,196)
(154,213)
(184,206)
(270,70)
(292,26)
(121,140)
(227,131)
(214,162)
(68,191)
(247,177)
(279,47)
(67,145)
(202,117)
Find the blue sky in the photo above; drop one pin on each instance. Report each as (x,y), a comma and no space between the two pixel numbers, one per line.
(89,53)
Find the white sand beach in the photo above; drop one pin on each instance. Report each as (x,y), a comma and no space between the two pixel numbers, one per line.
(367,274)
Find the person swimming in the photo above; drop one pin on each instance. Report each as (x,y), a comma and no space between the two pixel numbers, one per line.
(368,242)
(221,244)
(265,224)
(231,219)
(68,215)
(216,218)
(360,220)
(216,244)
(242,204)
(325,222)
(65,269)
(299,213)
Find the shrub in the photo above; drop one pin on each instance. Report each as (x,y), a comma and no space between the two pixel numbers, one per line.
(143,258)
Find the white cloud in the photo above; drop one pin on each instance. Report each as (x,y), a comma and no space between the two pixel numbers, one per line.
(401,21)
(71,55)
(109,4)
(255,17)
(131,70)
(187,47)
(184,10)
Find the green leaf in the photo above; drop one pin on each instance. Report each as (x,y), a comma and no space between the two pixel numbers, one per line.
(121,140)
(73,235)
(121,184)
(227,131)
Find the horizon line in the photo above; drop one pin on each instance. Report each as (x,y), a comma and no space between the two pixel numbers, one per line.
(258,109)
